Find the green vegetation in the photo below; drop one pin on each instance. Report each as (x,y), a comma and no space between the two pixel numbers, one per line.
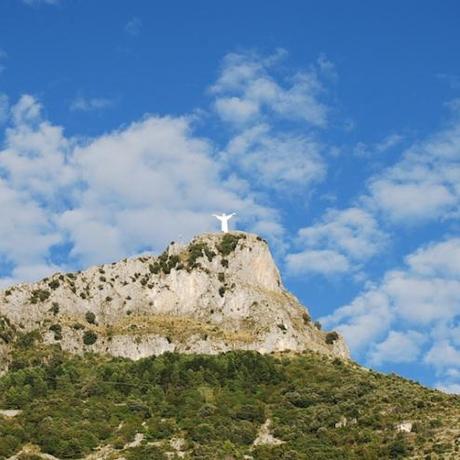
(53,284)
(57,329)
(331,337)
(197,250)
(229,243)
(39,295)
(72,404)
(54,308)
(90,317)
(164,264)
(89,337)
(7,330)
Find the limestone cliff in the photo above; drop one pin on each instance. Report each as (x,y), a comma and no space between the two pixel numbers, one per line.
(220,292)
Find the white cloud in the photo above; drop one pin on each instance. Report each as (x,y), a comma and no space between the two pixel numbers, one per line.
(442,354)
(236,110)
(246,87)
(440,259)
(387,143)
(398,347)
(452,388)
(36,157)
(428,169)
(323,261)
(363,321)
(119,194)
(344,237)
(425,294)
(287,162)
(83,104)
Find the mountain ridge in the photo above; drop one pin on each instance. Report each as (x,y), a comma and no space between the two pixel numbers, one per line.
(220,292)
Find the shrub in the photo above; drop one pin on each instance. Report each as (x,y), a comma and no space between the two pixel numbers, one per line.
(306,317)
(224,263)
(39,295)
(331,337)
(28,339)
(90,317)
(197,250)
(222,291)
(6,330)
(57,329)
(155,268)
(54,284)
(54,308)
(228,244)
(318,325)
(89,337)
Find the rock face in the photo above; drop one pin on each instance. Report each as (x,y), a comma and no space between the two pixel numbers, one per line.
(220,292)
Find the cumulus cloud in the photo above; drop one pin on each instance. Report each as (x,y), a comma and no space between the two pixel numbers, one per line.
(423,297)
(324,261)
(246,89)
(261,154)
(398,347)
(251,95)
(337,243)
(428,169)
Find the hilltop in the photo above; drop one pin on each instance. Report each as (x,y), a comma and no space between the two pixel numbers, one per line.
(199,353)
(218,293)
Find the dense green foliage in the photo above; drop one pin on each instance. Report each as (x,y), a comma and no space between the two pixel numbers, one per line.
(229,243)
(217,404)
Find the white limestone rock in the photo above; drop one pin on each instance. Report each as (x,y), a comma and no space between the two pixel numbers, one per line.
(220,292)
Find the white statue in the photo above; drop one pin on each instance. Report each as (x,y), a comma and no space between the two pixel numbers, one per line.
(224,218)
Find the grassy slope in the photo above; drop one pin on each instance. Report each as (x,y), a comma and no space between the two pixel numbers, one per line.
(73,404)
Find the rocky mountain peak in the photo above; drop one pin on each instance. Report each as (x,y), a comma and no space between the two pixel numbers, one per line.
(220,292)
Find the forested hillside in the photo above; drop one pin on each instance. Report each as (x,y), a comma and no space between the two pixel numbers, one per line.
(236,405)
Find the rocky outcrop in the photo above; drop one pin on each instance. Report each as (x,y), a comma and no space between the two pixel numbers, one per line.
(220,292)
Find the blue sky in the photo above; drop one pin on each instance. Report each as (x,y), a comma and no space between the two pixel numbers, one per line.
(332,128)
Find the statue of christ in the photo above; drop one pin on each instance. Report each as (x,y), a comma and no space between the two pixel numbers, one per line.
(224,218)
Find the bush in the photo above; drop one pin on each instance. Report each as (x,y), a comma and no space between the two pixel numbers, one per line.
(39,295)
(57,329)
(306,317)
(331,337)
(228,244)
(54,284)
(90,317)
(54,308)
(197,250)
(89,337)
